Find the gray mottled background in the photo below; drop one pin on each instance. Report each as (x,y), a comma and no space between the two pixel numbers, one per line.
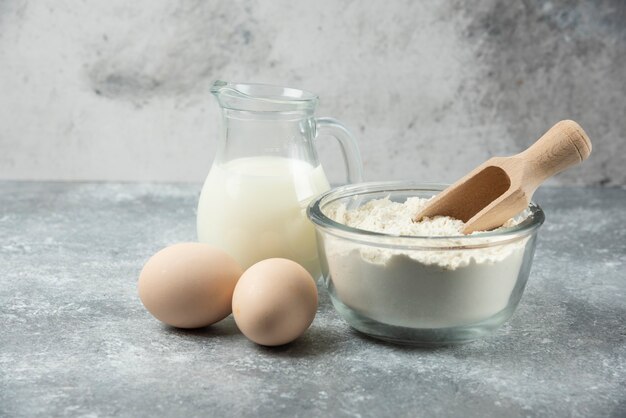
(118,90)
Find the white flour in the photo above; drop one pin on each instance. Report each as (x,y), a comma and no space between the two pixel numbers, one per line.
(419,288)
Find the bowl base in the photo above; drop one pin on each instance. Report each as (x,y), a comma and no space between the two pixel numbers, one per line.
(421,337)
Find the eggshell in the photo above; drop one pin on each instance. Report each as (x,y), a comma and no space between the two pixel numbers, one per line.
(274,301)
(189,285)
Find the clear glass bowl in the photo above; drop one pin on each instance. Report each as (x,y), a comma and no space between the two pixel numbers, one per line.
(416,289)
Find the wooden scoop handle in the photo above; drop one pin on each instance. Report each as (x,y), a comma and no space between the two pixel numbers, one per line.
(563,146)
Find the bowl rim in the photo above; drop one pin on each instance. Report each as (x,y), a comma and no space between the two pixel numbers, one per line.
(476,240)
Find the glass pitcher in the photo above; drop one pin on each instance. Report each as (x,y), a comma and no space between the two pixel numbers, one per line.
(265,173)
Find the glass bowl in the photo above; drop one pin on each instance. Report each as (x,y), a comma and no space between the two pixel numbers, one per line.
(416,289)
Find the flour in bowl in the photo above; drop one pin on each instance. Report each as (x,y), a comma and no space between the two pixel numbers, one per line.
(394,218)
(439,283)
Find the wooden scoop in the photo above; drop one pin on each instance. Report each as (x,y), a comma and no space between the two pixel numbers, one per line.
(502,187)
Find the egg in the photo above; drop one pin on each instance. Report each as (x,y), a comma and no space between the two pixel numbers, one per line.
(274,301)
(189,285)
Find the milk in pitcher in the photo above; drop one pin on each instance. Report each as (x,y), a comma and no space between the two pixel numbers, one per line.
(255,208)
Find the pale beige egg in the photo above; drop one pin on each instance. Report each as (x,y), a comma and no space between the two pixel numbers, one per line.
(274,301)
(189,285)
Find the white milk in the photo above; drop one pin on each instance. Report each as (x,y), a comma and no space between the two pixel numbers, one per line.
(255,208)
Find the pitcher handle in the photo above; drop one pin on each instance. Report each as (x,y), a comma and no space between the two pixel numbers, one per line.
(349,147)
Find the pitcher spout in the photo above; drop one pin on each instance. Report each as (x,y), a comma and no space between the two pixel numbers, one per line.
(262,97)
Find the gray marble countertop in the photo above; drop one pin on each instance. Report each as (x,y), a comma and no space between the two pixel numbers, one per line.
(76,341)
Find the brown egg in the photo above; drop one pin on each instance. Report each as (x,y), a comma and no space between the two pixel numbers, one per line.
(189,285)
(275,301)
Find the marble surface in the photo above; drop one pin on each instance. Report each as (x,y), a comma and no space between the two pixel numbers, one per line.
(118,90)
(76,341)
